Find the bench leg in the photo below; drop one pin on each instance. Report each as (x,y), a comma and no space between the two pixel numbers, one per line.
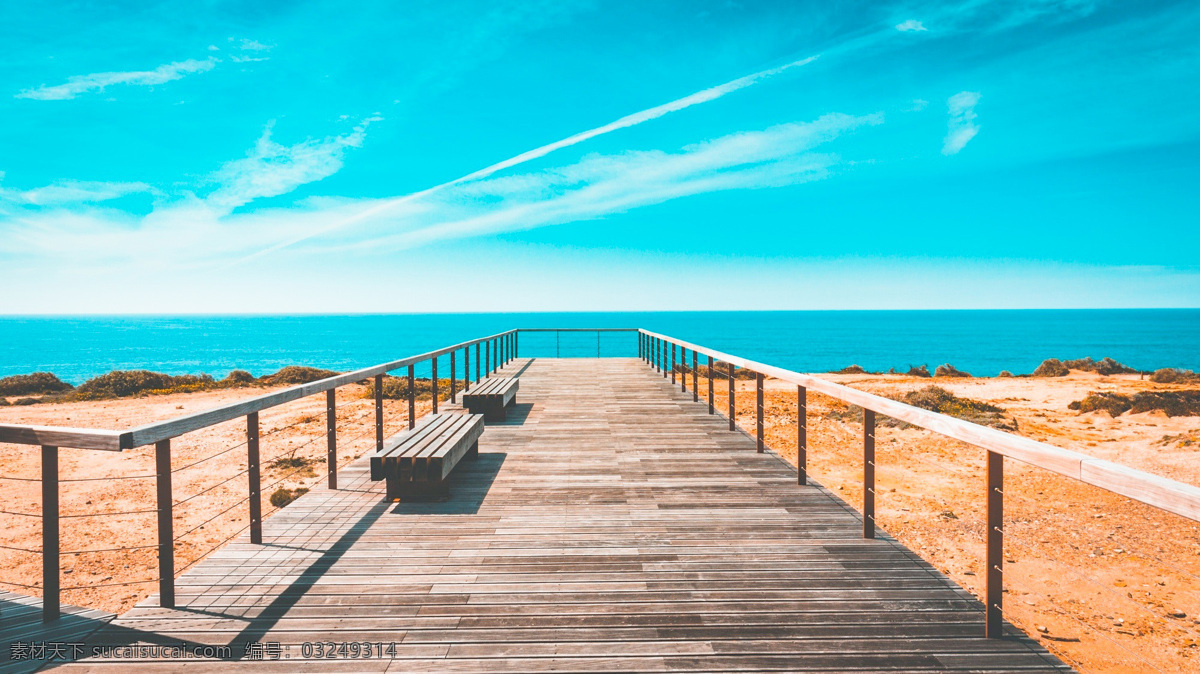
(473,452)
(393,489)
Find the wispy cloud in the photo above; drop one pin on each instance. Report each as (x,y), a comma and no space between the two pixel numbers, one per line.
(962,126)
(270,169)
(911,25)
(80,84)
(627,121)
(71,192)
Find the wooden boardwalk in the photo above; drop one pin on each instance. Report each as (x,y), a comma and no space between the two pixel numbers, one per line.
(611,524)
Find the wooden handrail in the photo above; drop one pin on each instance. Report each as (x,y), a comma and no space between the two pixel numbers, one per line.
(149,434)
(1163,493)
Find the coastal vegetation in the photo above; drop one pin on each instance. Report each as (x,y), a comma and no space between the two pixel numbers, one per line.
(936,399)
(1171,403)
(1170,375)
(134,383)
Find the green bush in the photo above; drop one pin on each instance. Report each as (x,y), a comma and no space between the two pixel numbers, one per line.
(1104,366)
(238,379)
(853,369)
(1172,403)
(396,388)
(283,496)
(1170,375)
(949,370)
(1051,367)
(296,374)
(126,383)
(38,383)
(922,371)
(938,399)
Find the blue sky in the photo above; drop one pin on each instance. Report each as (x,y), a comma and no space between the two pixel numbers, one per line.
(470,156)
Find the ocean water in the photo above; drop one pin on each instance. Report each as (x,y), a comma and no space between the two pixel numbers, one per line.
(980,342)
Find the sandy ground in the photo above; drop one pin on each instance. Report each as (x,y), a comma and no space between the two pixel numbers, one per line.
(107,498)
(1100,580)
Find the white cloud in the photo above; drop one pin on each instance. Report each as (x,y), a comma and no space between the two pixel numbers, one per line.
(962,126)
(80,84)
(71,192)
(912,25)
(918,104)
(270,169)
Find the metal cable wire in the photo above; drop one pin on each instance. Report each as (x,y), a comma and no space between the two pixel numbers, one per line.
(28,587)
(132,547)
(125,512)
(13,512)
(20,479)
(117,477)
(192,563)
(9,547)
(1101,634)
(205,491)
(88,587)
(198,526)
(213,456)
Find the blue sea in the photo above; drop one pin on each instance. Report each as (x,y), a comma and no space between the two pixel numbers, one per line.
(980,342)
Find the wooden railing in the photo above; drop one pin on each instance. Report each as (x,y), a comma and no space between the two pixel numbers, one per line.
(659,351)
(490,353)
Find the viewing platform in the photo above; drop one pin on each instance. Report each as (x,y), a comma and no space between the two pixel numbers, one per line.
(610,523)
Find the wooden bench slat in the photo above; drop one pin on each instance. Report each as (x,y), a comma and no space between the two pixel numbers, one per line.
(416,462)
(405,443)
(492,397)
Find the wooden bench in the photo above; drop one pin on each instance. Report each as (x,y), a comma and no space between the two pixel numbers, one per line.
(417,462)
(491,398)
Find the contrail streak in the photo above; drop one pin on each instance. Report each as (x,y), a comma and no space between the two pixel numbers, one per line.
(627,121)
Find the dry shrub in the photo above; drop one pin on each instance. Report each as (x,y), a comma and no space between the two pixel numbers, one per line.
(1051,367)
(128,383)
(938,399)
(1005,373)
(1172,403)
(948,370)
(1104,366)
(38,383)
(296,374)
(922,371)
(853,369)
(283,496)
(1171,375)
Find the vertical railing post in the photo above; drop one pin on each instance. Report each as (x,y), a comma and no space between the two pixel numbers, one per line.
(665,374)
(50,538)
(868,473)
(994,621)
(695,377)
(434,381)
(487,354)
(711,408)
(453,379)
(656,354)
(331,436)
(682,370)
(639,338)
(478,363)
(672,362)
(412,397)
(466,368)
(758,407)
(379,413)
(517,344)
(166,523)
(252,467)
(801,435)
(732,408)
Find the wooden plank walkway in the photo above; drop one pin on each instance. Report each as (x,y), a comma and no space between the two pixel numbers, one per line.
(611,524)
(24,637)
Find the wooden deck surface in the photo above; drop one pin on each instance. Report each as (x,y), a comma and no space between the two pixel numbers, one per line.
(611,524)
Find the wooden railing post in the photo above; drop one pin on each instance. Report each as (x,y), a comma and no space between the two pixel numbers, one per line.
(672,362)
(801,435)
(682,370)
(487,355)
(758,407)
(478,363)
(868,473)
(331,436)
(732,408)
(466,368)
(166,524)
(50,538)
(695,378)
(453,379)
(435,385)
(412,396)
(711,408)
(252,460)
(379,413)
(665,367)
(994,622)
